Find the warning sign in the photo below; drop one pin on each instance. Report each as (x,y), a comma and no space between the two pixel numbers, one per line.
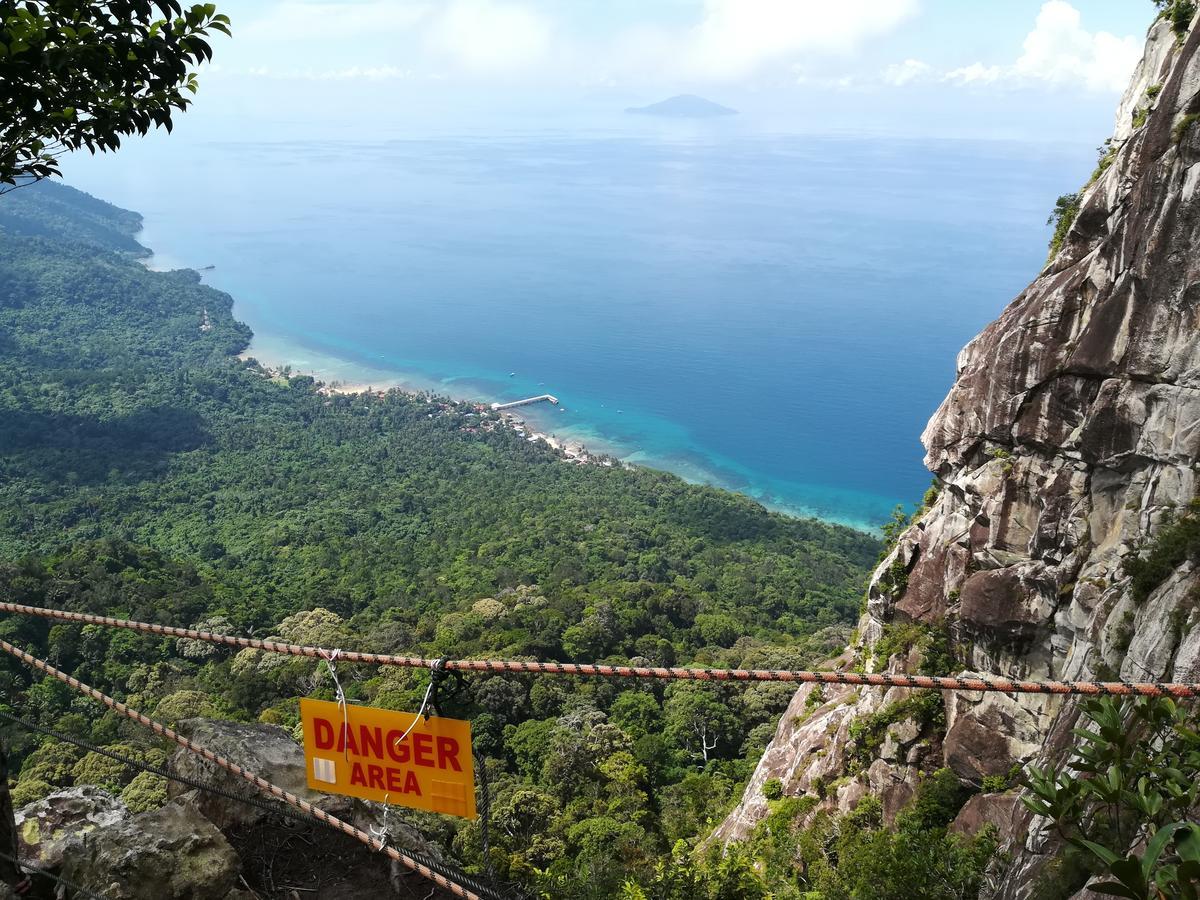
(429,768)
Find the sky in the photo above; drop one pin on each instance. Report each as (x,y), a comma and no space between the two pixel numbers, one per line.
(1022,69)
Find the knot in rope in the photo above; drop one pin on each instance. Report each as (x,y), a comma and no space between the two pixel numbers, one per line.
(381,832)
(437,673)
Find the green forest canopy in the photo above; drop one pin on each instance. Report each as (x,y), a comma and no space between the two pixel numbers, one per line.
(147,471)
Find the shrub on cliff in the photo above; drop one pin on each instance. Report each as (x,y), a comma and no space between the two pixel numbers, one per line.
(857,855)
(1066,208)
(1179,13)
(1133,781)
(1174,544)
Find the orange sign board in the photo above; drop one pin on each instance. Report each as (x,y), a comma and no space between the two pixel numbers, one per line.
(429,768)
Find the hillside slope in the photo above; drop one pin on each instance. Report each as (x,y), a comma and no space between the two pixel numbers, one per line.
(146,471)
(1065,449)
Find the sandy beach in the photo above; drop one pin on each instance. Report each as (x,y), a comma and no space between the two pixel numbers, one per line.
(575,442)
(572,451)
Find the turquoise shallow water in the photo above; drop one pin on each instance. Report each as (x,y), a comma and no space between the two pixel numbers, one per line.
(775,314)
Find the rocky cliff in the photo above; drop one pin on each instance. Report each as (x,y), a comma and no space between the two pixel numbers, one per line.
(1071,437)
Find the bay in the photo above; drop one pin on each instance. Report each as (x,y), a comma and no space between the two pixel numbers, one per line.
(775,314)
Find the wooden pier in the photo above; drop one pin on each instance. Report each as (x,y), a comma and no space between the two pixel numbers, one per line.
(548,398)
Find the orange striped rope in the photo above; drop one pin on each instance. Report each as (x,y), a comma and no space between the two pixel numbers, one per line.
(878,679)
(261,783)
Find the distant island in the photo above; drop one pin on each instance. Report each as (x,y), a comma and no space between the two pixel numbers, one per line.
(683,106)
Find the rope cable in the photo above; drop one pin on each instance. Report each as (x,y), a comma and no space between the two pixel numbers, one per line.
(153,769)
(262,784)
(865,679)
(456,882)
(266,805)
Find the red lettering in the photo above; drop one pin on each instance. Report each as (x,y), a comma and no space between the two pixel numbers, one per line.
(423,749)
(357,776)
(447,750)
(371,740)
(411,785)
(395,786)
(396,748)
(346,739)
(375,773)
(322,734)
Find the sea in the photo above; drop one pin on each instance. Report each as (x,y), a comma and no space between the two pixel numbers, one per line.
(776,314)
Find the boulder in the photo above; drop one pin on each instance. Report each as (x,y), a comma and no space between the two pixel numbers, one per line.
(897,739)
(334,865)
(46,828)
(166,854)
(982,810)
(1000,605)
(894,786)
(265,750)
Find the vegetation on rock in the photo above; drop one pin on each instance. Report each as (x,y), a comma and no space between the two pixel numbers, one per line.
(1179,13)
(1066,208)
(803,856)
(1175,543)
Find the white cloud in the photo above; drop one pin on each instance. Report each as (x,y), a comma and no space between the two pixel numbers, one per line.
(737,37)
(829,81)
(976,73)
(329,23)
(488,36)
(753,41)
(1060,51)
(900,74)
(475,35)
(349,73)
(715,40)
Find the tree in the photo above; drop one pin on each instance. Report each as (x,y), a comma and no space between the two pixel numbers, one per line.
(1179,12)
(699,721)
(637,713)
(1066,208)
(82,75)
(599,844)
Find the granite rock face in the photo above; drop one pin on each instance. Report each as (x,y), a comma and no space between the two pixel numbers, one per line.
(1070,437)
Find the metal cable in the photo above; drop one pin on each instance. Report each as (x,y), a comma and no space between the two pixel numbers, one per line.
(38,870)
(878,679)
(274,808)
(262,784)
(152,769)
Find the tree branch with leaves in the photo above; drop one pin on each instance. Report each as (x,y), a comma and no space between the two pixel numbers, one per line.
(77,75)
